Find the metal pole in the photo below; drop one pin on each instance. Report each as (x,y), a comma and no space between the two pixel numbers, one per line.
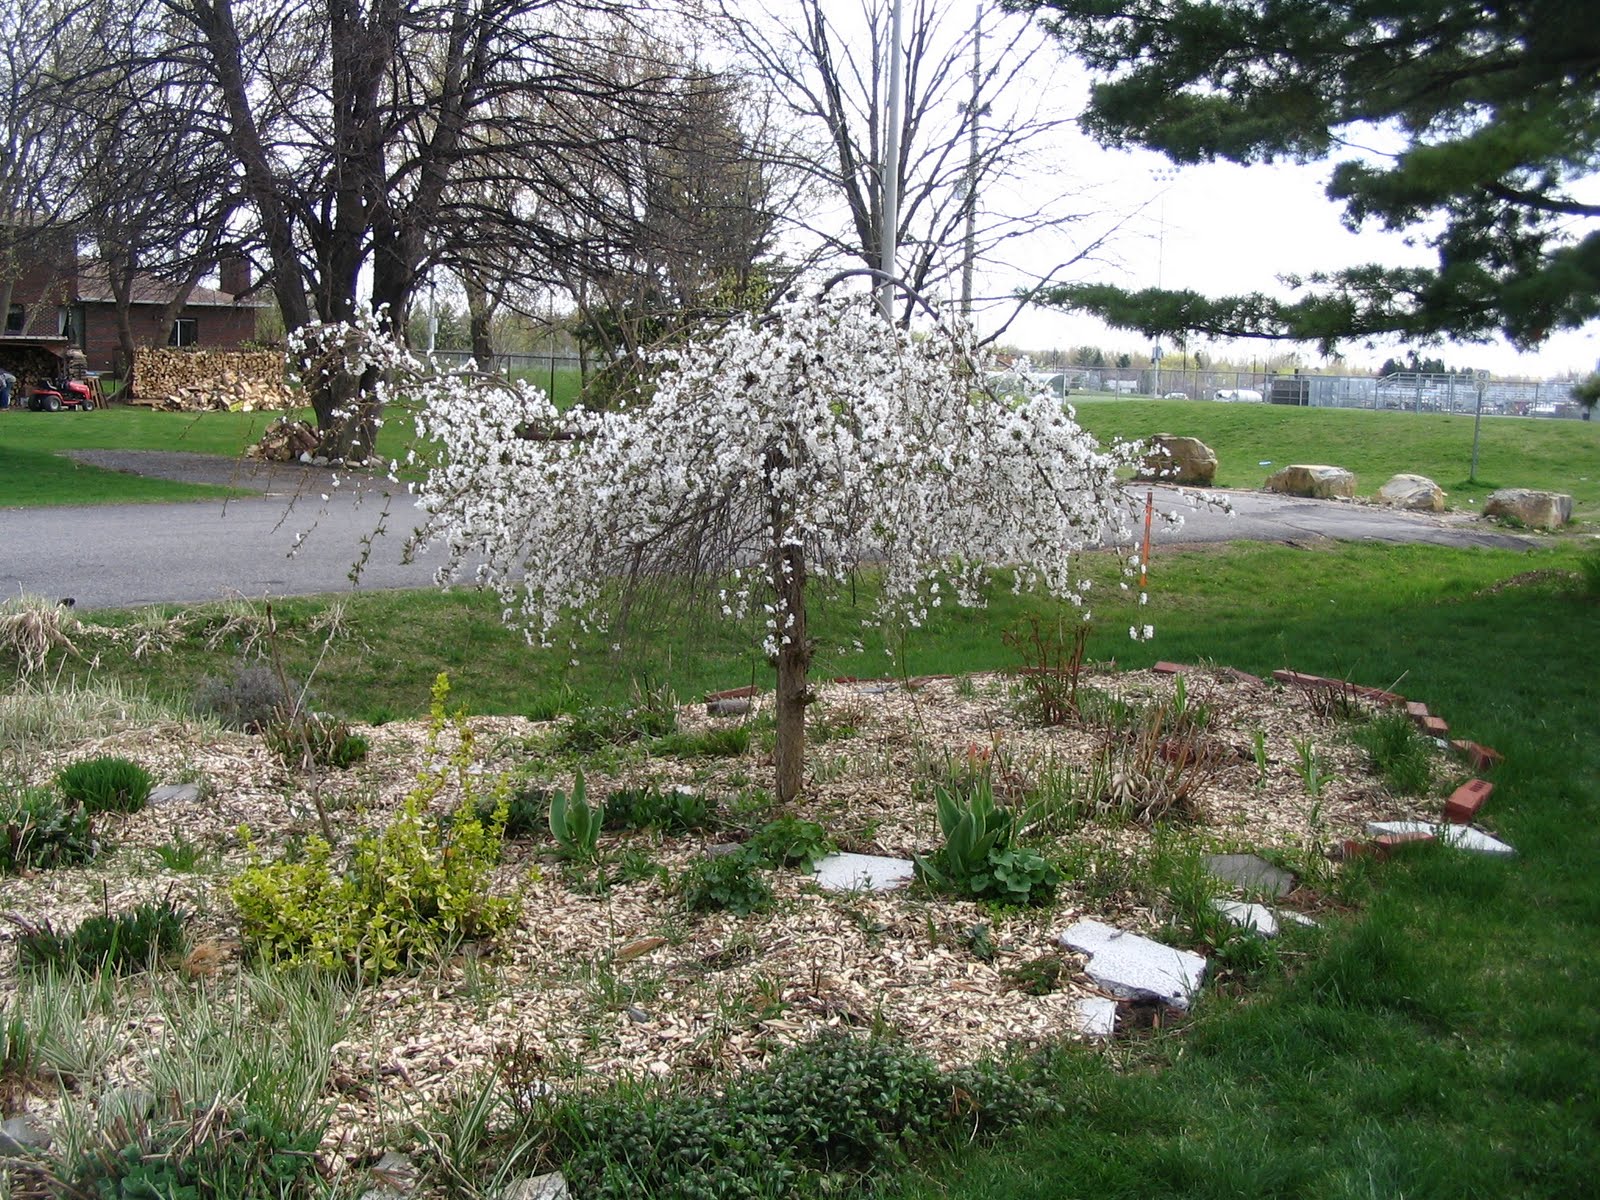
(974,112)
(1477,421)
(891,175)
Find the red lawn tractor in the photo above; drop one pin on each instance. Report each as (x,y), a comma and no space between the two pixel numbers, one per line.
(53,395)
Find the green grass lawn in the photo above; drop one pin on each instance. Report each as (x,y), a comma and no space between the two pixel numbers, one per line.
(1513,451)
(1439,1043)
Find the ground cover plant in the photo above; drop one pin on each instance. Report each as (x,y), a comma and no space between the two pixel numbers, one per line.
(1393,1008)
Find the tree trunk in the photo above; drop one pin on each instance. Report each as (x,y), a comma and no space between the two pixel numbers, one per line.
(787,564)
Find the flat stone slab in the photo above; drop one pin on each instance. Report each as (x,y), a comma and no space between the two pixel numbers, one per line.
(1248,916)
(1250,871)
(175,793)
(1462,837)
(862,873)
(1135,967)
(1095,1016)
(541,1187)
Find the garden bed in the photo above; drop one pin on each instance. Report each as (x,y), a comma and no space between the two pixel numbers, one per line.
(599,980)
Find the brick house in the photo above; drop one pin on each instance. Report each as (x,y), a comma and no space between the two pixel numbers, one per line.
(56,301)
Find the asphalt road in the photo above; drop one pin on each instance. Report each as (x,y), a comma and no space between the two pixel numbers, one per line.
(109,556)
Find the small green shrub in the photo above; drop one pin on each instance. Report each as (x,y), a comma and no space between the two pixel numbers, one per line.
(977,859)
(790,842)
(832,1105)
(307,740)
(250,698)
(38,830)
(1018,876)
(122,943)
(729,741)
(400,892)
(730,882)
(592,728)
(1398,751)
(527,811)
(573,823)
(106,784)
(180,854)
(674,811)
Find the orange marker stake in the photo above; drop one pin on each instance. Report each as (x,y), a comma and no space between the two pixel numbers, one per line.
(1149,513)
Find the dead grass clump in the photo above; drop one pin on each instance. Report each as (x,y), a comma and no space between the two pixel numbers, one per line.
(31,627)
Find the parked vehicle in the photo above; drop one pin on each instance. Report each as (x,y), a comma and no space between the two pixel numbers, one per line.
(56,394)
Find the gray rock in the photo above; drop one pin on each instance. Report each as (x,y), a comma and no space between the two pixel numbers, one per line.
(1415,493)
(1462,837)
(1537,510)
(1135,967)
(862,872)
(1257,917)
(728,708)
(1182,460)
(1095,1016)
(1250,872)
(539,1187)
(722,849)
(1313,480)
(23,1135)
(175,793)
(395,1175)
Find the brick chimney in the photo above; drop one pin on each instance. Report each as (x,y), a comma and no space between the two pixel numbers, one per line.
(234,270)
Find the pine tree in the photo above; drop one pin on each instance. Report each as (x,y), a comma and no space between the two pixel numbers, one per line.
(1499,101)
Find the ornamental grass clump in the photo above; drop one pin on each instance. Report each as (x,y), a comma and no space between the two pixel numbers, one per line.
(398,893)
(121,943)
(106,784)
(39,829)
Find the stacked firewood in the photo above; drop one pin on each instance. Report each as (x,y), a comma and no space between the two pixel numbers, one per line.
(211,380)
(285,440)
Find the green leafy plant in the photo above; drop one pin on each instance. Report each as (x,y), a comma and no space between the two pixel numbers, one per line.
(677,810)
(309,739)
(527,811)
(106,784)
(977,859)
(596,726)
(790,842)
(573,823)
(1311,767)
(1019,876)
(400,892)
(730,882)
(39,829)
(727,742)
(180,854)
(1398,751)
(120,943)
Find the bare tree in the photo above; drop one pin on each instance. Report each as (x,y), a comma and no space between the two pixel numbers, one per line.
(974,123)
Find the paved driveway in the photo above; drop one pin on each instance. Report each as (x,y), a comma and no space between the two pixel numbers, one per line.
(131,554)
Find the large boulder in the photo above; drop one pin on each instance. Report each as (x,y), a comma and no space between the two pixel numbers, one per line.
(1535,509)
(1415,492)
(1182,460)
(1313,480)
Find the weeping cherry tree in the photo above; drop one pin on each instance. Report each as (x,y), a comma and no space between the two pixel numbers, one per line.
(798,445)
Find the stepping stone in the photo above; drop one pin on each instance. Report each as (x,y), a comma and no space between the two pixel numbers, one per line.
(1095,1016)
(24,1135)
(540,1187)
(874,689)
(1257,917)
(1249,871)
(1462,837)
(863,872)
(396,1176)
(176,793)
(1135,967)
(732,707)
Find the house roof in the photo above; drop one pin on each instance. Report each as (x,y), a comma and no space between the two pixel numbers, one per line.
(94,287)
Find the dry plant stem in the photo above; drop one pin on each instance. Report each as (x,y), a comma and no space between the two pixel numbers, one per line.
(297,716)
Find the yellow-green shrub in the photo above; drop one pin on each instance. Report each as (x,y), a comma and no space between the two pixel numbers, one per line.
(400,891)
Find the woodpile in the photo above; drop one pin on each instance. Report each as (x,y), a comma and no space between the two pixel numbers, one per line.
(210,380)
(285,440)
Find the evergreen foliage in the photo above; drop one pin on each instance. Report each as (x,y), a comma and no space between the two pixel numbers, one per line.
(1499,104)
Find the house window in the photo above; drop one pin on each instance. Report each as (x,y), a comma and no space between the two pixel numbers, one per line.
(185,332)
(15,318)
(69,324)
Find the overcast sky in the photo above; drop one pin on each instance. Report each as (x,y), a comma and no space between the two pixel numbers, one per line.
(1223,229)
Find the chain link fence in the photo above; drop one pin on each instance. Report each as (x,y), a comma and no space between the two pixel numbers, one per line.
(1406,392)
